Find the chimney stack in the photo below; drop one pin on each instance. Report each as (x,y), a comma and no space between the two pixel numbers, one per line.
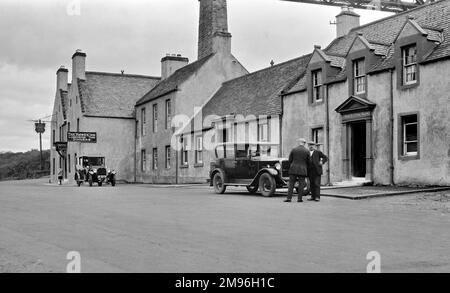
(62,75)
(78,65)
(213,35)
(171,63)
(346,21)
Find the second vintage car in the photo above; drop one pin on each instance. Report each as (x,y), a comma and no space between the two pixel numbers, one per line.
(255,166)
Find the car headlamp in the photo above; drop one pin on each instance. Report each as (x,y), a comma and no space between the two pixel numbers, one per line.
(278,166)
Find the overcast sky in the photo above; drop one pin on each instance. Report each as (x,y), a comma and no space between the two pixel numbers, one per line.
(39,36)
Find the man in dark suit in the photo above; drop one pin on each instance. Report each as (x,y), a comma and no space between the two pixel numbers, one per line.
(298,170)
(315,171)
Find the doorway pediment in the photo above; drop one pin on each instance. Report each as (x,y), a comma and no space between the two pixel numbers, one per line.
(355,104)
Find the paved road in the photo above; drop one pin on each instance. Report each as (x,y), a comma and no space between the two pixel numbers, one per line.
(139,228)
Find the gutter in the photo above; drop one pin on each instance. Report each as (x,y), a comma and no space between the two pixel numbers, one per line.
(327,123)
(391,112)
(135,150)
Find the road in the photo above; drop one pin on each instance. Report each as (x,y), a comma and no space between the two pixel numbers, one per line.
(140,228)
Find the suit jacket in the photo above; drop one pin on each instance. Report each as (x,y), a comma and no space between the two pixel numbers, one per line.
(315,166)
(299,161)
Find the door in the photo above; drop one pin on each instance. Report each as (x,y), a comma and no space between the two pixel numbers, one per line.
(358,149)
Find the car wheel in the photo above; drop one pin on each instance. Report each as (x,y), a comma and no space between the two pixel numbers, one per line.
(218,183)
(252,189)
(267,185)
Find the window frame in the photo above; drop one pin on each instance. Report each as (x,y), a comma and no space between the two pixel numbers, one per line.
(317,88)
(168,157)
(143,122)
(199,150)
(315,134)
(402,143)
(143,160)
(406,66)
(359,77)
(155,159)
(184,152)
(168,113)
(155,117)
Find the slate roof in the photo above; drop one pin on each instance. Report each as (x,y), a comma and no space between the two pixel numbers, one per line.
(256,93)
(434,18)
(112,95)
(172,82)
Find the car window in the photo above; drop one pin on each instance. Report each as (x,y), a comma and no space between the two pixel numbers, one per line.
(220,152)
(229,152)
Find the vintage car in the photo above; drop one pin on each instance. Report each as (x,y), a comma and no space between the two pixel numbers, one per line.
(253,165)
(96,170)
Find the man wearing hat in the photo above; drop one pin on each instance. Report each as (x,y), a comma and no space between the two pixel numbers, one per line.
(298,169)
(315,171)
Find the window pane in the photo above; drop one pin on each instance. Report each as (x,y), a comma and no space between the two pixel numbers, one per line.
(411,147)
(411,132)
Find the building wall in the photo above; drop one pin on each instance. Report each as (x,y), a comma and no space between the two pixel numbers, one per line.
(431,99)
(191,94)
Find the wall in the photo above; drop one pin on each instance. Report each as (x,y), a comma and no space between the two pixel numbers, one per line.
(432,100)
(192,93)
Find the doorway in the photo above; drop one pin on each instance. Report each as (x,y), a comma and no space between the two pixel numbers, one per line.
(358,149)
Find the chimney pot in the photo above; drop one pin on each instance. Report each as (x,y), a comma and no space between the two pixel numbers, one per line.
(317,47)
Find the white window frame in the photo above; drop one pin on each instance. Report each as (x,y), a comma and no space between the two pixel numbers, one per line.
(143,122)
(409,63)
(155,117)
(168,113)
(317,84)
(199,149)
(184,152)
(143,160)
(405,142)
(155,159)
(359,76)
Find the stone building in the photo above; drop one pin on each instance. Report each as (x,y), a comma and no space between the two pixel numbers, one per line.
(100,103)
(376,99)
(183,87)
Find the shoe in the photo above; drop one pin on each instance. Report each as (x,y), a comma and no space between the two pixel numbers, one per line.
(287,200)
(300,200)
(311,199)
(317,199)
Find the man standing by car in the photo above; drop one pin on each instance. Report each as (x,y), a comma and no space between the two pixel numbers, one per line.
(315,170)
(298,170)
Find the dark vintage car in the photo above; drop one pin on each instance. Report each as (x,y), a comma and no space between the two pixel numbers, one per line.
(96,171)
(251,165)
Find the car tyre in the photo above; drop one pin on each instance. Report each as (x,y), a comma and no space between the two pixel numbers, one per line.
(218,183)
(267,185)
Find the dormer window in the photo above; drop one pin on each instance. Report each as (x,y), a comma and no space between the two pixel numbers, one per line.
(359,76)
(409,57)
(317,86)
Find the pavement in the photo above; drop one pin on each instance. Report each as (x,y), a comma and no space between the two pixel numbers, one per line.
(140,228)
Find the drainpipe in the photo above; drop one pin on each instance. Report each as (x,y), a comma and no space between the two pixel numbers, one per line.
(135,150)
(280,135)
(391,110)
(176,160)
(327,126)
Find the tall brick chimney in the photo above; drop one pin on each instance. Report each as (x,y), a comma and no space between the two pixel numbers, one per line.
(62,75)
(346,21)
(78,65)
(213,35)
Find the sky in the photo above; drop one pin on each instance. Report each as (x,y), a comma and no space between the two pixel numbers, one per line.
(38,36)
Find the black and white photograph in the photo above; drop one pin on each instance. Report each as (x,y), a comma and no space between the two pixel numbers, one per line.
(236,140)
